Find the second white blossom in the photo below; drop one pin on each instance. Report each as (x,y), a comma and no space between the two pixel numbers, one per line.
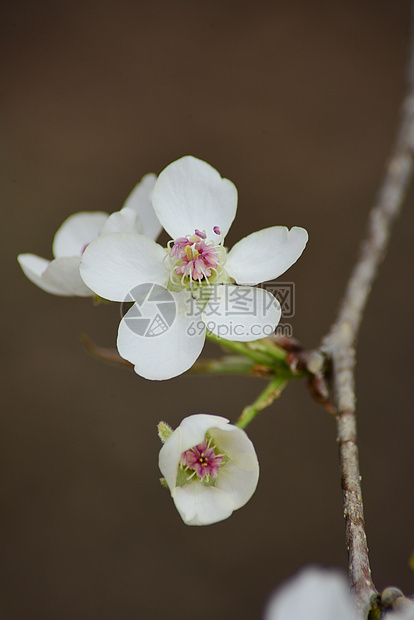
(210,467)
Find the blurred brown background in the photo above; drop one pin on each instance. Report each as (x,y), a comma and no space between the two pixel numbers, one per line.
(297,103)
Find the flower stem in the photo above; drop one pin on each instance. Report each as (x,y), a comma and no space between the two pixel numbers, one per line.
(260,351)
(272,391)
(269,348)
(229,365)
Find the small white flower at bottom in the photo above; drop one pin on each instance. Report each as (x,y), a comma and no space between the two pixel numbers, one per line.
(314,594)
(210,467)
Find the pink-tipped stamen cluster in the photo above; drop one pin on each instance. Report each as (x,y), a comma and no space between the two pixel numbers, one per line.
(195,258)
(203,460)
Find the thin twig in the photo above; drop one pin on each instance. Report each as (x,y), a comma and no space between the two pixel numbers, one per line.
(227,365)
(339,344)
(103,353)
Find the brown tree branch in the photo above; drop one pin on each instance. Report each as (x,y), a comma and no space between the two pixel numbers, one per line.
(339,345)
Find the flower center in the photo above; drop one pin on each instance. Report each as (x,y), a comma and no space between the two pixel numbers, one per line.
(203,460)
(193,259)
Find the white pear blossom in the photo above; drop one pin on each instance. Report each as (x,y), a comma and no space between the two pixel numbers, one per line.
(314,594)
(61,275)
(211,287)
(210,467)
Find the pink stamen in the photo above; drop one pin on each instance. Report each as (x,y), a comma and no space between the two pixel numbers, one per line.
(203,460)
(178,246)
(196,258)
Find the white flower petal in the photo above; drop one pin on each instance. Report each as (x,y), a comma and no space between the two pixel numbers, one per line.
(239,476)
(190,433)
(33,268)
(238,483)
(64,272)
(266,254)
(405,613)
(139,200)
(190,194)
(314,594)
(123,221)
(241,313)
(77,231)
(194,427)
(166,355)
(236,445)
(202,505)
(114,264)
